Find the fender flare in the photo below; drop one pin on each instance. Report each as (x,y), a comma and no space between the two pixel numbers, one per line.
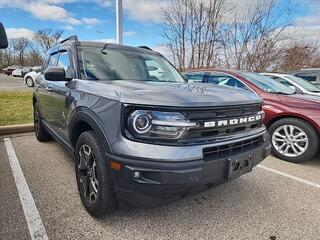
(83,114)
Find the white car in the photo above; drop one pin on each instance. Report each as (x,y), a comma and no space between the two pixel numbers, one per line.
(301,85)
(17,73)
(30,77)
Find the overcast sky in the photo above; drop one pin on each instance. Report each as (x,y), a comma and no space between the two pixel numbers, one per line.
(95,19)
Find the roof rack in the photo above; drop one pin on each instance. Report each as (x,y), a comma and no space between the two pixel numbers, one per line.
(73,37)
(145,47)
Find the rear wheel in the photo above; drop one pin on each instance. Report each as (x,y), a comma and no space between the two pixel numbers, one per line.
(29,82)
(93,176)
(294,140)
(41,133)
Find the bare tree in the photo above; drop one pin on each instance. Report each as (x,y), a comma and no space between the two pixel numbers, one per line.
(252,38)
(300,55)
(47,38)
(191,30)
(19,47)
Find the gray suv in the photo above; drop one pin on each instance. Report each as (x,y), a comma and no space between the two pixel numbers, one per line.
(140,134)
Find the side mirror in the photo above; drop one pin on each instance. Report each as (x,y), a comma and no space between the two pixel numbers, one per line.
(3,37)
(55,74)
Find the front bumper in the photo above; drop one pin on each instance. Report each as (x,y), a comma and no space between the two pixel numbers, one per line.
(149,184)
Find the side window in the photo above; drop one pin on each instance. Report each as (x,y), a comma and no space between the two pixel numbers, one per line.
(64,61)
(195,77)
(53,60)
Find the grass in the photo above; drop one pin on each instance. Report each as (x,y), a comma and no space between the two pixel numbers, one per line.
(15,107)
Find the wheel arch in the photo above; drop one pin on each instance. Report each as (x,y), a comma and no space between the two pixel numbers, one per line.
(303,118)
(82,120)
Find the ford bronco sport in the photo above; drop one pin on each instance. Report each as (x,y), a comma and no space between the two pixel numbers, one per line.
(140,134)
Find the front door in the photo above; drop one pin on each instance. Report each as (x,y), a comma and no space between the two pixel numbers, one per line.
(59,95)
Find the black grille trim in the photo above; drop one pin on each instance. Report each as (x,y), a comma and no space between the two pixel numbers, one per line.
(226,150)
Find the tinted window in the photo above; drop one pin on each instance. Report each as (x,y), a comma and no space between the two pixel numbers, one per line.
(107,63)
(195,77)
(225,80)
(307,77)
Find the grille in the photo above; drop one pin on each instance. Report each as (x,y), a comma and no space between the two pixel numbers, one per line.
(227,150)
(225,112)
(209,133)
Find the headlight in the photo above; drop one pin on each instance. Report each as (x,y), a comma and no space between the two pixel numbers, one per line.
(145,124)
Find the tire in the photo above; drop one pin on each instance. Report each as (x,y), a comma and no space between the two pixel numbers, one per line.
(97,169)
(41,133)
(306,143)
(29,82)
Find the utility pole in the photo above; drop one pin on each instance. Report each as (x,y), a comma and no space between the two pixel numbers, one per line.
(119,21)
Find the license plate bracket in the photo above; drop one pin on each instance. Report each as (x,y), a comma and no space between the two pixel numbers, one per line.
(238,166)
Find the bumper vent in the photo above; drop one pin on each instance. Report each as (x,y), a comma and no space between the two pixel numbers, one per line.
(227,150)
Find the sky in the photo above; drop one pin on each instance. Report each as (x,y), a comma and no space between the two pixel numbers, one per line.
(95,19)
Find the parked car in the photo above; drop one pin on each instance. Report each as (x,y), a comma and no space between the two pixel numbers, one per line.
(309,74)
(301,85)
(17,72)
(140,139)
(25,70)
(30,77)
(293,119)
(10,69)
(4,70)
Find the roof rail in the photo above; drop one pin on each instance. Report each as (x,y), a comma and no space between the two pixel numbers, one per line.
(145,47)
(73,37)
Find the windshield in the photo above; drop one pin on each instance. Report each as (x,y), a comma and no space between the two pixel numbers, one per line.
(303,83)
(97,63)
(267,84)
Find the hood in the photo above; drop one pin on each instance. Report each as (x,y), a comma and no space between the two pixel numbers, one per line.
(169,94)
(302,100)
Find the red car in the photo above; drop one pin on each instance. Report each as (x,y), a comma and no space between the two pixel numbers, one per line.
(293,119)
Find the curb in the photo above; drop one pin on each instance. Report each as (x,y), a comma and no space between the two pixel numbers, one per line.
(19,128)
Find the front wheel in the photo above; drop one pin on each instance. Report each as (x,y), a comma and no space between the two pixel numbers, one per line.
(29,82)
(294,140)
(93,176)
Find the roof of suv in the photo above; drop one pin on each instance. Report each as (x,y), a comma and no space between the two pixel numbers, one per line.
(74,39)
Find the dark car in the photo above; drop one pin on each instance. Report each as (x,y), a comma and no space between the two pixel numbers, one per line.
(311,75)
(140,135)
(293,119)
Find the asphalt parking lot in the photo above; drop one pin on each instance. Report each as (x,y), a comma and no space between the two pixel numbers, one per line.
(277,200)
(9,83)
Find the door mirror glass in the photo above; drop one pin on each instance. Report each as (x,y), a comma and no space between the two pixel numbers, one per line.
(3,37)
(55,74)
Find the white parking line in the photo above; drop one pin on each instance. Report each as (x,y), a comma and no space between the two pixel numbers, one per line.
(36,228)
(316,185)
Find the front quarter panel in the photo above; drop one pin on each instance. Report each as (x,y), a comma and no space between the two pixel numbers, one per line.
(100,113)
